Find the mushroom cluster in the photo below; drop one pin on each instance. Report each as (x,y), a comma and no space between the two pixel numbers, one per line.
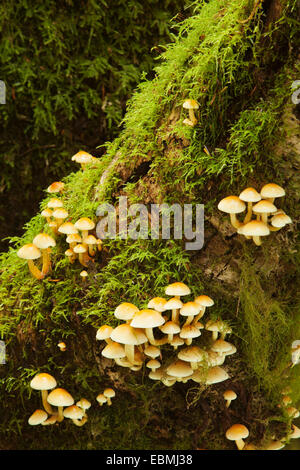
(60,398)
(106,396)
(143,333)
(267,217)
(39,248)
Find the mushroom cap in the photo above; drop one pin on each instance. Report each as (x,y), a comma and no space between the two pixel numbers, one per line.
(153,364)
(60,213)
(29,251)
(56,187)
(272,190)
(60,397)
(156,374)
(73,412)
(214,325)
(170,328)
(236,432)
(264,206)
(125,311)
(179,368)
(147,318)
(280,220)
(84,224)
(54,203)
(38,417)
(109,392)
(83,403)
(83,273)
(274,445)
(46,212)
(43,241)
(255,228)
(152,351)
(229,395)
(101,398)
(221,346)
(113,350)
(190,309)
(231,205)
(204,300)
(104,332)
(295,432)
(126,334)
(157,303)
(173,304)
(62,346)
(177,341)
(177,289)
(69,252)
(73,237)
(190,104)
(250,195)
(43,381)
(79,248)
(215,375)
(189,331)
(192,354)
(82,157)
(68,228)
(90,240)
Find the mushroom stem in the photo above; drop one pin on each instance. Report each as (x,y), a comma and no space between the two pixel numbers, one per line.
(257,240)
(152,340)
(129,351)
(46,261)
(249,213)
(234,221)
(192,117)
(80,422)
(228,403)
(46,405)
(35,270)
(200,315)
(240,444)
(60,415)
(189,320)
(215,335)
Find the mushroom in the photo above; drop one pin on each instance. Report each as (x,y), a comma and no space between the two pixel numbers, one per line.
(249,195)
(38,417)
(237,433)
(67,228)
(76,414)
(54,203)
(229,395)
(193,355)
(44,382)
(204,301)
(104,332)
(47,213)
(272,190)
(71,255)
(84,225)
(215,375)
(51,420)
(56,187)
(152,351)
(264,208)
(62,346)
(232,205)
(189,332)
(44,242)
(91,242)
(109,393)
(101,399)
(170,328)
(81,251)
(179,369)
(153,364)
(84,404)
(148,319)
(125,311)
(60,214)
(83,158)
(60,397)
(130,337)
(83,274)
(190,310)
(175,305)
(279,220)
(115,351)
(255,229)
(157,303)
(31,252)
(73,239)
(191,105)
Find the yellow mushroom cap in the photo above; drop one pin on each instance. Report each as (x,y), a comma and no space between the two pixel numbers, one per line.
(54,203)
(126,334)
(229,395)
(190,309)
(46,213)
(60,397)
(82,157)
(43,241)
(101,398)
(113,350)
(104,332)
(68,229)
(83,274)
(43,381)
(177,289)
(56,187)
(250,195)
(147,318)
(204,300)
(60,213)
(157,303)
(280,220)
(125,311)
(29,251)
(221,346)
(275,445)
(38,417)
(215,375)
(90,240)
(84,224)
(189,331)
(73,412)
(264,206)
(109,393)
(190,104)
(272,190)
(255,228)
(79,248)
(152,351)
(231,205)
(84,404)
(192,354)
(173,304)
(236,432)
(179,368)
(170,328)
